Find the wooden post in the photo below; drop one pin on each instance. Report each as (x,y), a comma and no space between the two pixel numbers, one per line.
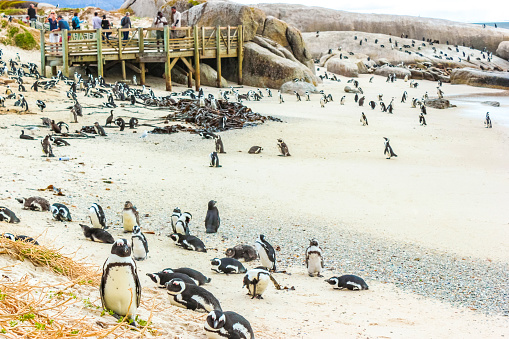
(167,69)
(65,53)
(190,79)
(100,62)
(240,51)
(228,41)
(196,58)
(218,55)
(120,43)
(203,41)
(141,46)
(43,54)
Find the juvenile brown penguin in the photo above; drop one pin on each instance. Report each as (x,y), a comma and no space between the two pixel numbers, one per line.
(255,150)
(46,147)
(248,253)
(99,130)
(54,127)
(219,144)
(130,217)
(34,203)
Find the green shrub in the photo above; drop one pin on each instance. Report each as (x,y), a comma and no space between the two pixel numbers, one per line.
(25,40)
(14,11)
(11,31)
(4,23)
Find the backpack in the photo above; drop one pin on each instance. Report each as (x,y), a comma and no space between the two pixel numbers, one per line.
(75,22)
(122,22)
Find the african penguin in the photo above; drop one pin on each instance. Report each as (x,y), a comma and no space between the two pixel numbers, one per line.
(8,215)
(266,253)
(162,278)
(227,325)
(214,160)
(189,242)
(227,266)
(34,203)
(388,149)
(97,234)
(120,287)
(130,217)
(342,101)
(139,244)
(487,120)
(256,281)
(182,224)
(174,217)
(248,253)
(191,297)
(351,282)
(97,216)
(314,259)
(283,148)
(99,130)
(212,220)
(60,212)
(422,120)
(364,120)
(193,274)
(46,147)
(120,123)
(219,144)
(255,150)
(22,238)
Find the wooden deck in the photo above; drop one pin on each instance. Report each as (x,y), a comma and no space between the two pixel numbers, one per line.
(188,44)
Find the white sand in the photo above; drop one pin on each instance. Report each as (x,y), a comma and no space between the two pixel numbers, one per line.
(447,191)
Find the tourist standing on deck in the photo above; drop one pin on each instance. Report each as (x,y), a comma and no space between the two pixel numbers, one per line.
(126,23)
(76,22)
(175,22)
(105,24)
(63,24)
(32,15)
(96,21)
(53,25)
(159,22)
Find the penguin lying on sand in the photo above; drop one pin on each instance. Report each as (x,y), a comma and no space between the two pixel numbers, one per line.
(191,297)
(8,215)
(162,278)
(227,325)
(248,253)
(255,150)
(34,203)
(60,212)
(97,234)
(197,276)
(351,282)
(227,266)
(189,242)
(22,238)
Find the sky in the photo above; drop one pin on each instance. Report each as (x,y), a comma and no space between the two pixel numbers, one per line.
(464,11)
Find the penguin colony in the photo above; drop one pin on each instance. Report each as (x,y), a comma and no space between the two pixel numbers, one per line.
(120,287)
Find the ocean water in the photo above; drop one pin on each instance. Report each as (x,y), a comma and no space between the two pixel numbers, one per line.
(473,107)
(502,24)
(104,4)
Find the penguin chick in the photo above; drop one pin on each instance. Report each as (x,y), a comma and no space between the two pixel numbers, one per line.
(212,220)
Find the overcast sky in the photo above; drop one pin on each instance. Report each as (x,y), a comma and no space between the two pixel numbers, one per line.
(463,11)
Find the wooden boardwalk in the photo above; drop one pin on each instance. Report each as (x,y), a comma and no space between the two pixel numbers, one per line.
(188,44)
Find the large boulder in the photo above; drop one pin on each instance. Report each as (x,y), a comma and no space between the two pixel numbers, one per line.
(208,76)
(300,87)
(503,50)
(474,77)
(438,103)
(343,67)
(275,30)
(262,68)
(399,71)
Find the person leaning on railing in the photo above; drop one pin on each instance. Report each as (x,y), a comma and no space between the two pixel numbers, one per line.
(32,15)
(105,24)
(53,25)
(176,21)
(125,23)
(62,25)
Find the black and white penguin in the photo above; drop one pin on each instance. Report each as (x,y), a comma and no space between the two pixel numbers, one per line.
(214,160)
(256,280)
(314,259)
(99,130)
(372,104)
(97,234)
(227,325)
(139,244)
(388,149)
(22,238)
(197,276)
(227,266)
(120,287)
(297,95)
(60,212)
(189,242)
(46,147)
(25,136)
(266,253)
(283,148)
(133,122)
(97,216)
(404,96)
(361,101)
(246,252)
(182,224)
(422,120)
(487,121)
(34,204)
(8,216)
(191,297)
(130,217)
(351,282)
(356,97)
(255,150)
(364,120)
(161,278)
(212,220)
(342,100)
(219,144)
(120,123)
(174,217)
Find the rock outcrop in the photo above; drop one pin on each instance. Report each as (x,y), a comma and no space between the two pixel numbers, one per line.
(474,77)
(312,19)
(503,50)
(438,103)
(343,67)
(399,71)
(300,87)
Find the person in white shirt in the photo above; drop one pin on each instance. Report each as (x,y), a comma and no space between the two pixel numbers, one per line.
(159,22)
(96,21)
(177,18)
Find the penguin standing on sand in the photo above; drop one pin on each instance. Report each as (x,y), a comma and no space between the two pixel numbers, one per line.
(46,147)
(99,130)
(356,98)
(139,244)
(219,144)
(372,104)
(120,123)
(120,287)
(422,121)
(175,217)
(97,234)
(388,149)
(130,217)
(60,212)
(364,120)
(283,148)
(487,120)
(214,160)
(404,96)
(97,216)
(192,297)
(256,281)
(227,266)
(266,253)
(361,101)
(181,226)
(212,220)
(351,282)
(227,325)
(314,259)
(342,100)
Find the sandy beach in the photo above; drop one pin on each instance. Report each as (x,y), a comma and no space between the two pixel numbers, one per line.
(441,201)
